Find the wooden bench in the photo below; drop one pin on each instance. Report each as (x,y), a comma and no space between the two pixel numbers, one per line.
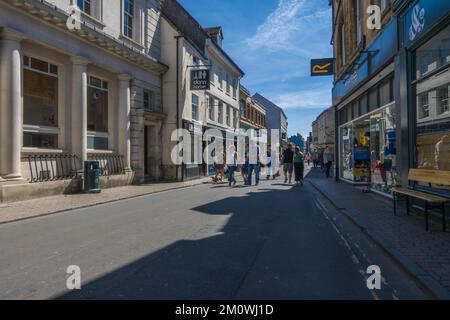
(429,177)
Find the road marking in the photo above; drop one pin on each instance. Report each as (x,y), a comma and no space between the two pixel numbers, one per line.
(354,258)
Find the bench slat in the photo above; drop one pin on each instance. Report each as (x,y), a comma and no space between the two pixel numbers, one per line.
(439,177)
(421,195)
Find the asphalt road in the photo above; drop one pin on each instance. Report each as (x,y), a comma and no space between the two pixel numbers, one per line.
(206,242)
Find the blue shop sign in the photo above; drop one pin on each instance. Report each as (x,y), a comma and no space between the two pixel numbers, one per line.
(421,17)
(382,49)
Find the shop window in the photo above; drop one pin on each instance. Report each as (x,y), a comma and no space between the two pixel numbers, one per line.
(434,54)
(40,104)
(433,115)
(97,114)
(195,107)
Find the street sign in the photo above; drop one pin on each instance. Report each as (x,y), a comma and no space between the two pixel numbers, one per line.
(200,79)
(322,67)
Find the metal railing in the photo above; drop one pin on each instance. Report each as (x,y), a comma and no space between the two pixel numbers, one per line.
(52,167)
(110,164)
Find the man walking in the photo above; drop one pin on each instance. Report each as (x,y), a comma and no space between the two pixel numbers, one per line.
(328,160)
(288,160)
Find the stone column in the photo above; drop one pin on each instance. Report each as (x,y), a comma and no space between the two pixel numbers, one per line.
(124,108)
(10,104)
(79,109)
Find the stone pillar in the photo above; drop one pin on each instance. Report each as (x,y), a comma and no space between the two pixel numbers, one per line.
(10,104)
(124,109)
(79,109)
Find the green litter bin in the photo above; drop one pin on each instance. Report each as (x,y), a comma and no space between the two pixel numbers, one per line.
(92,176)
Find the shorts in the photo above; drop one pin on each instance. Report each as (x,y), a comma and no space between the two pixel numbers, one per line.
(287,167)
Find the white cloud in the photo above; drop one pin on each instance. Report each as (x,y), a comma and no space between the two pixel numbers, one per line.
(318,98)
(293,27)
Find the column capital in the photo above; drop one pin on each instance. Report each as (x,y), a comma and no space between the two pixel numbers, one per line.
(78,60)
(124,77)
(11,34)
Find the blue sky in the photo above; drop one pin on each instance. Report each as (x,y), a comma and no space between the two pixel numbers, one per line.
(273,42)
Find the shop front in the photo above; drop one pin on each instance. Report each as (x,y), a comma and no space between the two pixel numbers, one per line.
(368,149)
(366,116)
(425,69)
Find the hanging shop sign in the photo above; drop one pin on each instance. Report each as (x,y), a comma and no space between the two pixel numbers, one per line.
(322,67)
(200,79)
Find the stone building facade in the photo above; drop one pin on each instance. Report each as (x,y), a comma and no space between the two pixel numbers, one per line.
(75,92)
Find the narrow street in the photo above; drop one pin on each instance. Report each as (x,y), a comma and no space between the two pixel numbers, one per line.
(273,241)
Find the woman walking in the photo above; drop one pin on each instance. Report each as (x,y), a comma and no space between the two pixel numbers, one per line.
(298,166)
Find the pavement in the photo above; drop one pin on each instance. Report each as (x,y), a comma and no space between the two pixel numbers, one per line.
(22,210)
(425,255)
(272,241)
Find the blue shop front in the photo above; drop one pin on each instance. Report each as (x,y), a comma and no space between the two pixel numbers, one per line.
(367,116)
(424,70)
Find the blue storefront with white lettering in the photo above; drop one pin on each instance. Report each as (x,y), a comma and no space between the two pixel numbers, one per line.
(423,91)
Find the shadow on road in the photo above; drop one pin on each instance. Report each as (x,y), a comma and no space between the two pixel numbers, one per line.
(268,249)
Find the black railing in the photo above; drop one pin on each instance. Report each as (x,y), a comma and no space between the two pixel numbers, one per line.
(110,164)
(53,167)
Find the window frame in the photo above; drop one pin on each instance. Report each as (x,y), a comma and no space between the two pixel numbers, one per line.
(42,129)
(100,134)
(130,15)
(195,111)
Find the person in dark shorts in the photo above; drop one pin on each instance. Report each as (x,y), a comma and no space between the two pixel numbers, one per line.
(288,160)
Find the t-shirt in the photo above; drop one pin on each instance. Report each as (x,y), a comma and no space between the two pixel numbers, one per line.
(288,156)
(298,158)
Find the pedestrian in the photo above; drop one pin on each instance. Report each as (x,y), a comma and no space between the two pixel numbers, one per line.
(320,160)
(298,164)
(231,164)
(288,159)
(244,170)
(328,160)
(219,167)
(308,158)
(314,158)
(270,167)
(254,166)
